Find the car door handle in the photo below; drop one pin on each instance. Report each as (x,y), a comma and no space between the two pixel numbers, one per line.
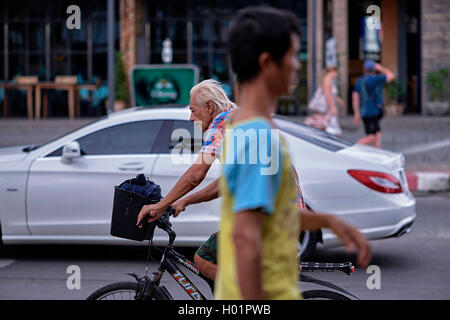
(134,166)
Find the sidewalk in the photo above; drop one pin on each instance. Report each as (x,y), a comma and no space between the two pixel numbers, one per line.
(423,140)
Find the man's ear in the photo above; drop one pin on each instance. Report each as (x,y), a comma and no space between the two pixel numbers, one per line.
(210,107)
(264,61)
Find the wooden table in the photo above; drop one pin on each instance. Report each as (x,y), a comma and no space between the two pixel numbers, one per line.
(55,86)
(73,96)
(18,86)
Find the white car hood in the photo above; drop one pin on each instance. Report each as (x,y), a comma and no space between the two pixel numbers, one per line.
(13,153)
(379,156)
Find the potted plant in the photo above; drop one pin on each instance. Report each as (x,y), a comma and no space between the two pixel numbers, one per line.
(395,90)
(436,85)
(120,79)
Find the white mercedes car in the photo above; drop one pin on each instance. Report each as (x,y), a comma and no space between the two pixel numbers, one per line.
(62,191)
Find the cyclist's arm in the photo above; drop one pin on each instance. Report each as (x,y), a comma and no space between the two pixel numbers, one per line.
(188,181)
(208,193)
(247,240)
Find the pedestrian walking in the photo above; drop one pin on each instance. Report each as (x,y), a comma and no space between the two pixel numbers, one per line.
(260,220)
(368,102)
(324,113)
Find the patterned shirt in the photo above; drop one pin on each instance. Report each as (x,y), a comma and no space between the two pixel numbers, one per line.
(212,141)
(300,200)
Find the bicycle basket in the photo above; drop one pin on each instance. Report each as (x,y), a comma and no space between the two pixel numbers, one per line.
(126,208)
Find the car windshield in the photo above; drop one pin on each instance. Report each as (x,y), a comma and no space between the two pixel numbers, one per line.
(37,146)
(316,137)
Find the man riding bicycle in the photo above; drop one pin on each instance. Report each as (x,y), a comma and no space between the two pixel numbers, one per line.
(210,108)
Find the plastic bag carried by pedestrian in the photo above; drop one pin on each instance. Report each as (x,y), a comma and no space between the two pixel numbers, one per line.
(322,115)
(318,103)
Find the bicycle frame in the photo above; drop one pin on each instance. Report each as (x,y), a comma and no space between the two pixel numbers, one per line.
(169,262)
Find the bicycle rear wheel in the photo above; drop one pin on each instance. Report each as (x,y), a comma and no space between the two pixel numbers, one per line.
(323,295)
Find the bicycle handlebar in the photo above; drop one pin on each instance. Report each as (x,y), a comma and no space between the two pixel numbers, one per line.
(164,224)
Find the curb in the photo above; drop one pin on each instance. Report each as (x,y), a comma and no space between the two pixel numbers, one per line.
(428,181)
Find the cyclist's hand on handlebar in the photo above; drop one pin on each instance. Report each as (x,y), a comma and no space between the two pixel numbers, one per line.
(353,240)
(179,206)
(154,211)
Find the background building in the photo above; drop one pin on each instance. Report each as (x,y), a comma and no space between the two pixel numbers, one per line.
(411,40)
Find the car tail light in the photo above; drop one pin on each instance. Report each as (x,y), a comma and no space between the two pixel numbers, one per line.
(378,181)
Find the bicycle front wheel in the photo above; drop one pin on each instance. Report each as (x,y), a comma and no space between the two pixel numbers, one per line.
(323,295)
(115,291)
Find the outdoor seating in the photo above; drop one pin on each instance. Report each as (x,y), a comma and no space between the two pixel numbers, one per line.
(20,83)
(68,83)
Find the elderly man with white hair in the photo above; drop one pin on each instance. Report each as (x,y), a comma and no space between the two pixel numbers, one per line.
(210,107)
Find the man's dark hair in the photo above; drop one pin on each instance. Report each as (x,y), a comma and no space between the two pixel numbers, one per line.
(255,30)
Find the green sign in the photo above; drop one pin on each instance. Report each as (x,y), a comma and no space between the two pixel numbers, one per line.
(162,84)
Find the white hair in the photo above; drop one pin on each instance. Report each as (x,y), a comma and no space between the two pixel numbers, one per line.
(211,91)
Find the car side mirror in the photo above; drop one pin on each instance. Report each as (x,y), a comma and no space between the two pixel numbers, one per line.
(71,150)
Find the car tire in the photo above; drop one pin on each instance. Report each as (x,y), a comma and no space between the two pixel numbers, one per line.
(307,244)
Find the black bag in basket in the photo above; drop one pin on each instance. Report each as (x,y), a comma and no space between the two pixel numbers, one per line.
(129,197)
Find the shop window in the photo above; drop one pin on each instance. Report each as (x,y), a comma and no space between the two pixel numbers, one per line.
(100,35)
(79,66)
(201,60)
(58,38)
(37,66)
(58,64)
(100,65)
(16,41)
(16,65)
(37,37)
(78,39)
(202,31)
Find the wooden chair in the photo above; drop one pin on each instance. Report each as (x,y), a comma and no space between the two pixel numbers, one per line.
(66,79)
(27,80)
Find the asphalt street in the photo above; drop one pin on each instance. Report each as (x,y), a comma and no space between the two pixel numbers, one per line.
(414,266)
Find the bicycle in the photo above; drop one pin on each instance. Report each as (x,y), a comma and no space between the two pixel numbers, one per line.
(149,288)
